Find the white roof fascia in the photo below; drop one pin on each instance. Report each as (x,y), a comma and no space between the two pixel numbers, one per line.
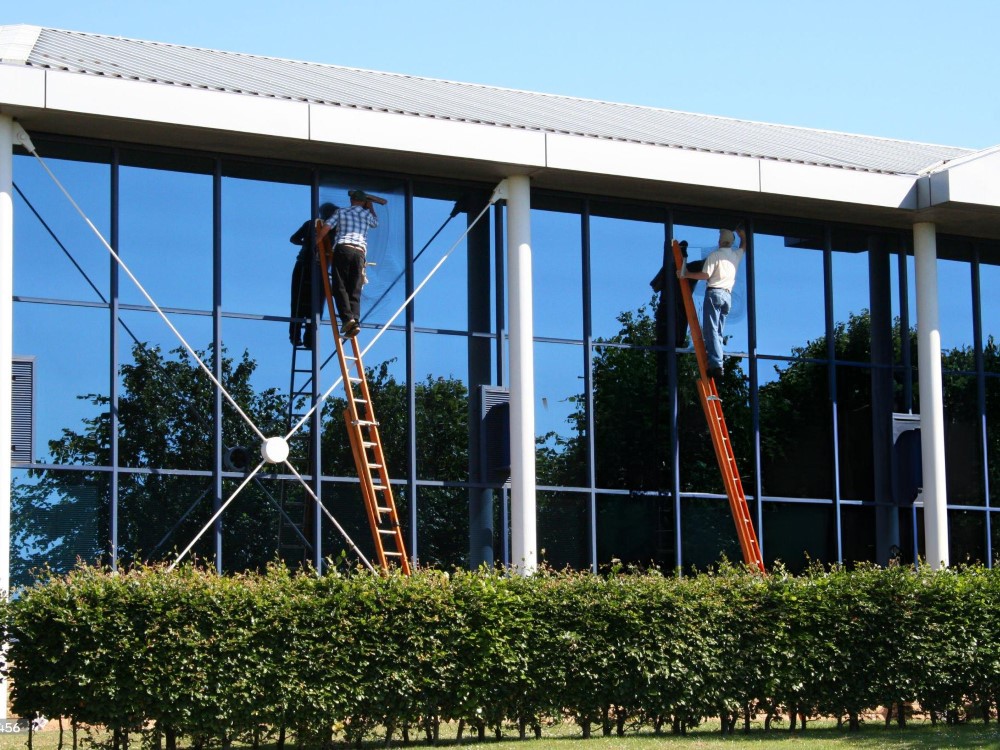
(396,132)
(843,185)
(22,86)
(16,43)
(651,162)
(973,179)
(152,102)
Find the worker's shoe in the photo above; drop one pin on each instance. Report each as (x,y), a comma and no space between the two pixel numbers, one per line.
(715,373)
(350,329)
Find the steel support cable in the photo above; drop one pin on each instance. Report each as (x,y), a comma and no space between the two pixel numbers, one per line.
(196,414)
(25,141)
(244,483)
(142,289)
(385,326)
(374,306)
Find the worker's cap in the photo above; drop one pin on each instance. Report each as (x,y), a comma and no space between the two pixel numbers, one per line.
(726,237)
(357,195)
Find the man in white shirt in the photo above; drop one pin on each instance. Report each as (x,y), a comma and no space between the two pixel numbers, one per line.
(720,272)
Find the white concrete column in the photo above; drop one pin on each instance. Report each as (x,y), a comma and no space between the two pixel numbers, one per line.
(935,493)
(524,538)
(6,353)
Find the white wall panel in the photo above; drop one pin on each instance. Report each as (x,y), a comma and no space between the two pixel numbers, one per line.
(832,184)
(974,181)
(137,100)
(22,86)
(358,127)
(649,162)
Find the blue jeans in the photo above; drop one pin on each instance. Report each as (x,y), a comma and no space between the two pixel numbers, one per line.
(717,304)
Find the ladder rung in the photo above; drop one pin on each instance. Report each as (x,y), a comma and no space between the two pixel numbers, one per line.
(354,379)
(383,510)
(387,532)
(368,444)
(374,466)
(365,423)
(392,554)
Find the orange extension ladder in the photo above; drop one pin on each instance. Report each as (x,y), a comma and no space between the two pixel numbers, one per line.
(362,429)
(712,405)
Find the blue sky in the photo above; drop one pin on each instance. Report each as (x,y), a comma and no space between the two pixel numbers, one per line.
(907,69)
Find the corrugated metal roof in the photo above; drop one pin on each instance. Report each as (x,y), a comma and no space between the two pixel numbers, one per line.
(169,64)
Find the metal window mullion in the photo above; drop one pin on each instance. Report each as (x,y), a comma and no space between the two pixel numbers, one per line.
(411,374)
(672,385)
(977,338)
(316,421)
(751,277)
(831,355)
(113,361)
(588,381)
(217,356)
(904,331)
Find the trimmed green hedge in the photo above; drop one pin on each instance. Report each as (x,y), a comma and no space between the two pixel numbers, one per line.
(356,656)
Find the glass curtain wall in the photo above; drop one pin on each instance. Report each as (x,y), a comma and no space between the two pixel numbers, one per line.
(135,448)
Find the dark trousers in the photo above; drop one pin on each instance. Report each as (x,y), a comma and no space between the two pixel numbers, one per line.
(301,298)
(347,273)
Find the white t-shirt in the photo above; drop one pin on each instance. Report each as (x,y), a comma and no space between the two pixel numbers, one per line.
(721,266)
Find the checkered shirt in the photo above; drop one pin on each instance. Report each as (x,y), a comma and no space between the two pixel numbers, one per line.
(352,225)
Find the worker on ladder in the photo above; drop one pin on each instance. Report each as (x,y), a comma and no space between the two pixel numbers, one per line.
(719,271)
(302,298)
(350,246)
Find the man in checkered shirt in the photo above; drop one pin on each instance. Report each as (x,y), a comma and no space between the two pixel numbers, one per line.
(347,270)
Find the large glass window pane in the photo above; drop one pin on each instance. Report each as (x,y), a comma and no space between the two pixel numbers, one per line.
(851,297)
(443,526)
(708,533)
(560,411)
(788,272)
(797,533)
(966,537)
(557,275)
(258,218)
(993,436)
(634,529)
(442,407)
(159,515)
(989,292)
(963,439)
(563,530)
(955,304)
(57,256)
(624,257)
(854,431)
(166,400)
(56,519)
(344,502)
(858,534)
(72,379)
(796,430)
(166,237)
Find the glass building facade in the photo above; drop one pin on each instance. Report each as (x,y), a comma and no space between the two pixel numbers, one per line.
(133,448)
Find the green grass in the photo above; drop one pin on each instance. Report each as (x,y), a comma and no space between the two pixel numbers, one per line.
(819,736)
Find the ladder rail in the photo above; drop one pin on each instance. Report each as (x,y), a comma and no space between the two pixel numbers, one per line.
(721,443)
